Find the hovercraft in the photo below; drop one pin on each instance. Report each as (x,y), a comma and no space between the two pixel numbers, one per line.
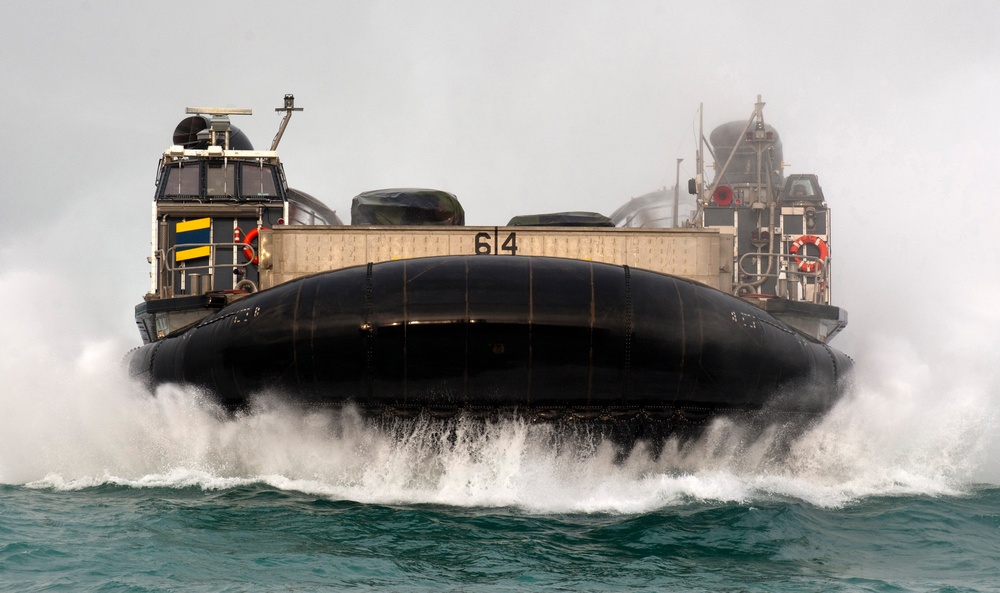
(258,288)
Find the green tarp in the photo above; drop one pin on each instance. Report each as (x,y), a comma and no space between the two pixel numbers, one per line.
(406,207)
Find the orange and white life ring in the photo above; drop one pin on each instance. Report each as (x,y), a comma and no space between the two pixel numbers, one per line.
(248,252)
(809,265)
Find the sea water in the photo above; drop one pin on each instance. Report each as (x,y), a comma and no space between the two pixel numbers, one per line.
(107,487)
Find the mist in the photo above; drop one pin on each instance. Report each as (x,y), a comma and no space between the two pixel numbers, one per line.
(516,108)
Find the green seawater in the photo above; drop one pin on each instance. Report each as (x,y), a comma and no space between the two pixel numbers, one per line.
(125,492)
(256,537)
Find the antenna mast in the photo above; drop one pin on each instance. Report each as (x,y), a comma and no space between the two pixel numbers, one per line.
(288,109)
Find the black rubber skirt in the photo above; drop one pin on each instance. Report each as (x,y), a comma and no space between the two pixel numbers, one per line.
(500,332)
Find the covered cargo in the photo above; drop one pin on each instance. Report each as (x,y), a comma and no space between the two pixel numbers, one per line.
(582,219)
(406,207)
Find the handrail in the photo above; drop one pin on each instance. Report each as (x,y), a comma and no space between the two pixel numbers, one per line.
(821,263)
(166,265)
(790,268)
(211,266)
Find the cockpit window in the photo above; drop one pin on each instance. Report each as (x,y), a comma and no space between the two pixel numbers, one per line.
(259,181)
(256,180)
(802,189)
(220,180)
(182,181)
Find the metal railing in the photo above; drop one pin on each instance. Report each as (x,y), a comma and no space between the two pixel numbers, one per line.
(791,280)
(168,265)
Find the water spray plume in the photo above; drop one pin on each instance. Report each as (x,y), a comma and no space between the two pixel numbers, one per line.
(71,419)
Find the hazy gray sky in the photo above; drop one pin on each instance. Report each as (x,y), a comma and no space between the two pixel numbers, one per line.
(516,107)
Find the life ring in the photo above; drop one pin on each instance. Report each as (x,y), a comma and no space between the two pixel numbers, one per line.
(809,265)
(248,252)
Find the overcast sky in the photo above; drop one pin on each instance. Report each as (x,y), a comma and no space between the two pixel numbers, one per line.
(517,108)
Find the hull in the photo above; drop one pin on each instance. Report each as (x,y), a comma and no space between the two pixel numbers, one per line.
(545,336)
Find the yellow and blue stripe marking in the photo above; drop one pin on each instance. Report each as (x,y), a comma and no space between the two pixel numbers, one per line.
(192,232)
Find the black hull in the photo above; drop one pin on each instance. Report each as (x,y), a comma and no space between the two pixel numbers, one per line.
(493,333)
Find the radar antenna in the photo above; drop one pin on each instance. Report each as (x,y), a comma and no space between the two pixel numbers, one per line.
(218,128)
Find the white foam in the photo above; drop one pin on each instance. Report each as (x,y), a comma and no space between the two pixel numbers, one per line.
(70,419)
